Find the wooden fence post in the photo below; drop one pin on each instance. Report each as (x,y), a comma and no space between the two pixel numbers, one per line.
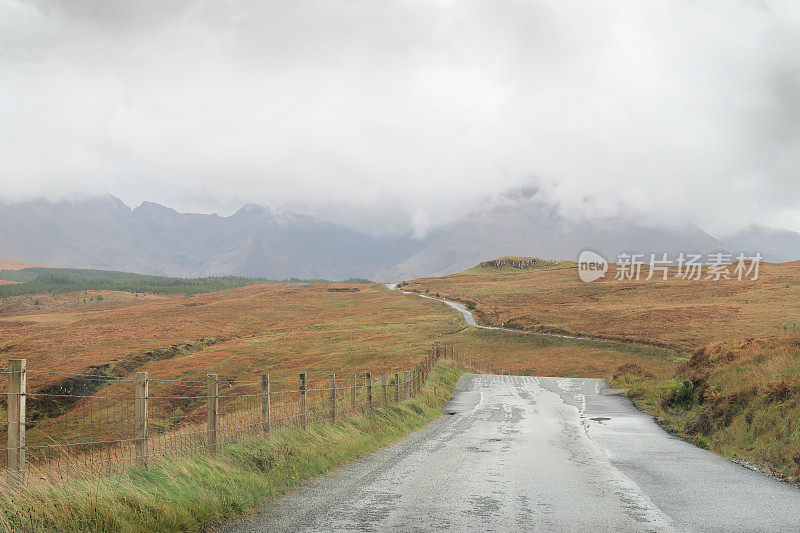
(141,392)
(332,397)
(353,392)
(266,422)
(385,391)
(15,473)
(368,378)
(397,387)
(303,400)
(213,410)
(426,366)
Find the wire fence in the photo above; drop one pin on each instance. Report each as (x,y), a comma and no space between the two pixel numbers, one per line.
(59,434)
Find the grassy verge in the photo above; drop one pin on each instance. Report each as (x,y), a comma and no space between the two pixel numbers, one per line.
(196,491)
(740,400)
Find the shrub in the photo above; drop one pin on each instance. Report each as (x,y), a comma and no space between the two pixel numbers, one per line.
(471,306)
(682,395)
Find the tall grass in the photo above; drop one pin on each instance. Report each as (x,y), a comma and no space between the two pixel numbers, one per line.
(197,491)
(738,399)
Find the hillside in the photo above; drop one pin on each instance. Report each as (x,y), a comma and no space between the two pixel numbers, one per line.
(63,280)
(10,264)
(284,326)
(533,228)
(282,329)
(105,234)
(740,399)
(674,312)
(255,242)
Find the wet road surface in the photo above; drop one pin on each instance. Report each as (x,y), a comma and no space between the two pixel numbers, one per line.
(469,318)
(523,453)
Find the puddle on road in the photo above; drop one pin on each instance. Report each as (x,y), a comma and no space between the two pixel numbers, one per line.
(600,419)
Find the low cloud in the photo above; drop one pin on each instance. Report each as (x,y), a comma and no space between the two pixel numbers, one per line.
(406,114)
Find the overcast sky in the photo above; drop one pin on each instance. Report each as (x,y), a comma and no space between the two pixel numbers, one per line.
(405,113)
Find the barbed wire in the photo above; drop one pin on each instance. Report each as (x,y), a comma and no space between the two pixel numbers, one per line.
(172,431)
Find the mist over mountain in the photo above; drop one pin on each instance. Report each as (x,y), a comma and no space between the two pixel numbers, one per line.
(104,233)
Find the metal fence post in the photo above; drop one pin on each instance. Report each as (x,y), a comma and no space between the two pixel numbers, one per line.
(141,392)
(303,400)
(266,421)
(213,410)
(15,473)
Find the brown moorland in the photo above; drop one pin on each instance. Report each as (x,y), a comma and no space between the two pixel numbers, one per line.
(10,264)
(549,296)
(276,329)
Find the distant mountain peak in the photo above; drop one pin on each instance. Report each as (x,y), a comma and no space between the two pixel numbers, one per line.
(153,207)
(251,209)
(257,241)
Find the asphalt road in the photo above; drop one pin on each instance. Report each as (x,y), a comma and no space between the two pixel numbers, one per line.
(469,318)
(523,453)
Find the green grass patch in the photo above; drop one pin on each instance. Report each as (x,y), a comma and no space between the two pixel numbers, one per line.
(195,491)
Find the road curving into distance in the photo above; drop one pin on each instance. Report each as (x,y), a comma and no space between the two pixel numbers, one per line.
(518,453)
(469,318)
(525,453)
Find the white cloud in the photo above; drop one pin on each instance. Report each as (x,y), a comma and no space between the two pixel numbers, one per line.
(407,112)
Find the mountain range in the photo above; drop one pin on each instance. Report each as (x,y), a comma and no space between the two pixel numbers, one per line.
(104,233)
